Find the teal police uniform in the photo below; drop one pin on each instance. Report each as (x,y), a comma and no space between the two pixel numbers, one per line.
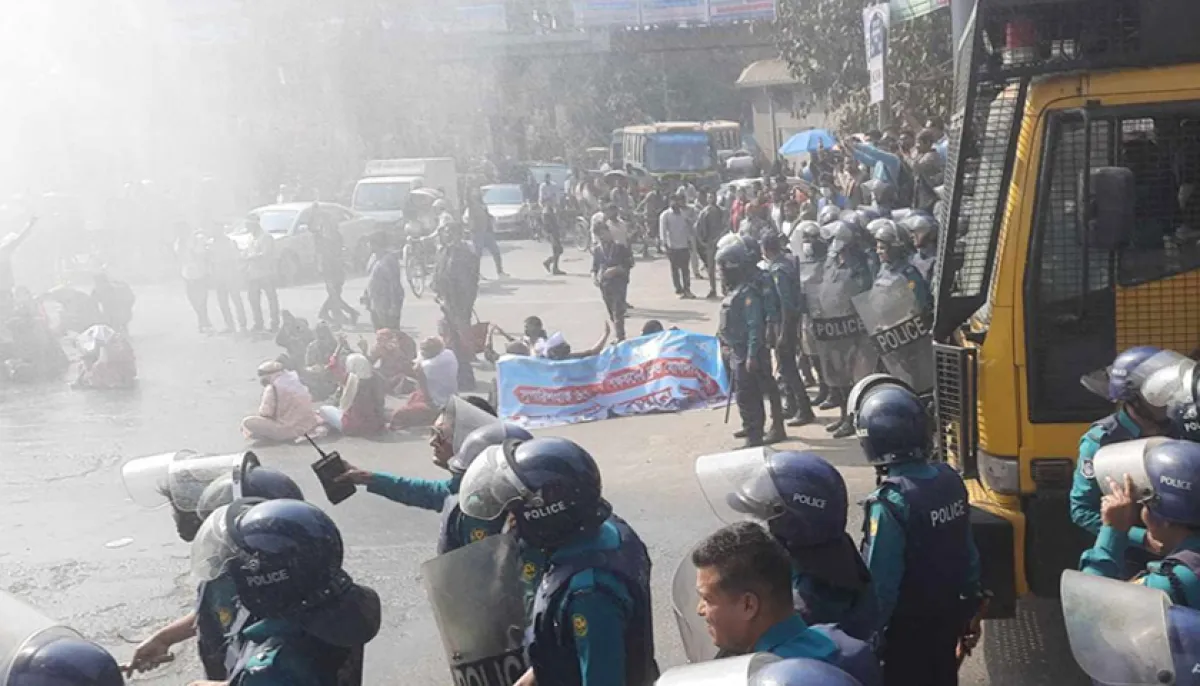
(216,608)
(905,270)
(743,333)
(276,652)
(794,638)
(1107,558)
(431,494)
(884,546)
(1085,491)
(828,604)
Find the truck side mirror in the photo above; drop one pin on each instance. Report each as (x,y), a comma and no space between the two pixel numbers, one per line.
(1107,215)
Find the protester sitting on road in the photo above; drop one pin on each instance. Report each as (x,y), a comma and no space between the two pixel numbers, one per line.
(557,348)
(285,412)
(393,355)
(107,360)
(437,375)
(361,409)
(115,300)
(294,337)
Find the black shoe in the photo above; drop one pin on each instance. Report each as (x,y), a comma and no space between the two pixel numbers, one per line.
(846,430)
(740,433)
(559,272)
(546,266)
(712,295)
(829,403)
(755,442)
(802,419)
(821,396)
(836,426)
(777,434)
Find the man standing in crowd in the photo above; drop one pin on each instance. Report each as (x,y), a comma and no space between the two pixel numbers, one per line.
(927,171)
(260,274)
(225,272)
(483,232)
(611,262)
(710,226)
(456,282)
(675,232)
(384,298)
(331,265)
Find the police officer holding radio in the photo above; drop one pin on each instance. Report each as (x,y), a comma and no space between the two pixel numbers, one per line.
(785,277)
(37,651)
(302,620)
(1167,472)
(459,434)
(195,485)
(591,623)
(802,500)
(917,537)
(1122,383)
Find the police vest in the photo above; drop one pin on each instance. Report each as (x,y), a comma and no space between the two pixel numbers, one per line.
(328,664)
(770,299)
(854,657)
(789,266)
(1180,558)
(732,331)
(550,641)
(936,545)
(216,608)
(855,595)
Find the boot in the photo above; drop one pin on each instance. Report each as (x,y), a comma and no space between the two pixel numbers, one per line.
(833,400)
(740,433)
(836,426)
(845,430)
(753,442)
(806,371)
(802,418)
(822,395)
(777,434)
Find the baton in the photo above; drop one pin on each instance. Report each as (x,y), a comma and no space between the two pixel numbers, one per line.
(732,390)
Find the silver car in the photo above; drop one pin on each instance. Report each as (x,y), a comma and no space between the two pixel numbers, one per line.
(506,203)
(289,223)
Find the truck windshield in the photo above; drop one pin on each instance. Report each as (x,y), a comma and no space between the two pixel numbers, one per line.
(380,196)
(678,152)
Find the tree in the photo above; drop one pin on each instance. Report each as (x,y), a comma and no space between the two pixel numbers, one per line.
(822,42)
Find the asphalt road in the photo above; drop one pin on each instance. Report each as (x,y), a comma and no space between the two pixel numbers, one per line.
(75,546)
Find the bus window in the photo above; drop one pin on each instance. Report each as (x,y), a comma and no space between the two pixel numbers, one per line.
(678,152)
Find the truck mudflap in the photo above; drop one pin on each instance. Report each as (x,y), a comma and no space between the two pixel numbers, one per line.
(994,538)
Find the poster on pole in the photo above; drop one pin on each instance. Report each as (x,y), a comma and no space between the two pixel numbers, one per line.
(740,10)
(906,10)
(594,13)
(875,28)
(674,11)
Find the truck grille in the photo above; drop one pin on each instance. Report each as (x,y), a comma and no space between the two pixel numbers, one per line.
(954,395)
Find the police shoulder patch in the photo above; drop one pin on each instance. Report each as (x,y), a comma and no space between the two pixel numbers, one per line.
(748,300)
(478,535)
(528,571)
(912,285)
(579,624)
(1087,469)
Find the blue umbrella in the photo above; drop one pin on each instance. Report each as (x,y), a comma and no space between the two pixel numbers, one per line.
(807,141)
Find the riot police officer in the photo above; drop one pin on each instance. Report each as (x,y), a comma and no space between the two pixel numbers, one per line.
(743,336)
(36,651)
(784,273)
(1167,471)
(773,309)
(591,623)
(1122,383)
(196,485)
(917,538)
(893,246)
(810,250)
(459,434)
(302,619)
(802,500)
(924,231)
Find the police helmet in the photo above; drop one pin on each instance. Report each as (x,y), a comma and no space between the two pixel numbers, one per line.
(551,486)
(809,230)
(851,217)
(866,215)
(772,241)
(827,214)
(841,235)
(889,233)
(752,247)
(288,556)
(1124,375)
(63,661)
(919,225)
(258,482)
(734,257)
(802,672)
(1173,470)
(813,498)
(890,420)
(481,438)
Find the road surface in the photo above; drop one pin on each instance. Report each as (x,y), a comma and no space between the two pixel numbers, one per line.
(75,546)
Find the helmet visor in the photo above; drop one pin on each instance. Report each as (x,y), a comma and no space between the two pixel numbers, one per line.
(738,485)
(214,545)
(146,478)
(463,418)
(181,478)
(23,627)
(1117,630)
(489,485)
(1169,385)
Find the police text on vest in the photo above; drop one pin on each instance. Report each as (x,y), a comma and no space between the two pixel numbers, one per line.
(949,513)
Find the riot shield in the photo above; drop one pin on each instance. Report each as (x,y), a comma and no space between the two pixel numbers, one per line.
(693,630)
(478,602)
(1117,630)
(181,478)
(738,485)
(810,279)
(900,330)
(845,353)
(22,627)
(1116,460)
(464,418)
(730,671)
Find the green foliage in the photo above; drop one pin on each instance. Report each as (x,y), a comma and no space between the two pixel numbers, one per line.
(823,44)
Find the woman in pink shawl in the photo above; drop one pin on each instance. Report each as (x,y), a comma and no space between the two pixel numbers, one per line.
(286,411)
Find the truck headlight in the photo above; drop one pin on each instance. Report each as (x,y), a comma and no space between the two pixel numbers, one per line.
(1000,474)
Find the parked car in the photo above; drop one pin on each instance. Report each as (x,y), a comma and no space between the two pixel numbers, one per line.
(506,203)
(289,224)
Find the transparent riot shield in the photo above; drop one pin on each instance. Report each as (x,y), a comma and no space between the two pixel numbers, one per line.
(181,478)
(478,602)
(22,627)
(1117,630)
(464,418)
(1118,459)
(837,330)
(900,330)
(730,671)
(738,485)
(685,601)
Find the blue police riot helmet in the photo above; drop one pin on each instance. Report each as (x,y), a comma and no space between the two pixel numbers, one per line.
(288,556)
(1183,634)
(257,482)
(1123,384)
(752,247)
(481,438)
(734,256)
(919,225)
(1173,470)
(890,420)
(841,236)
(1185,421)
(866,215)
(802,672)
(809,230)
(828,214)
(814,498)
(772,241)
(851,217)
(551,486)
(64,661)
(889,233)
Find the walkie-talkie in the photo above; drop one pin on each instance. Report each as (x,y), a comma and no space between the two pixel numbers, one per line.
(327,469)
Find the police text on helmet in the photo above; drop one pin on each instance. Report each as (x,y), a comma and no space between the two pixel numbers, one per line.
(810,500)
(552,508)
(1175,482)
(268,578)
(949,513)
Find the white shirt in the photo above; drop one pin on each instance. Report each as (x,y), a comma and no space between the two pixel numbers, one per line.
(441,377)
(616,227)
